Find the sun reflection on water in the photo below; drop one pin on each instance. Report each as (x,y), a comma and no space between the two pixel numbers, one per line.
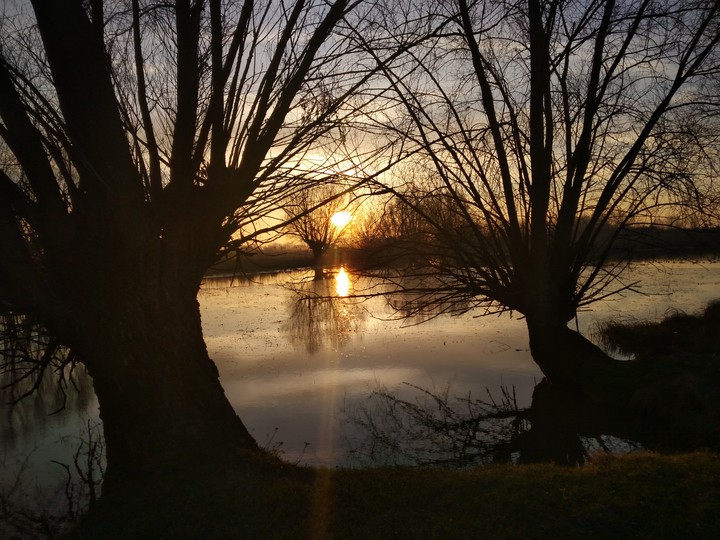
(342,282)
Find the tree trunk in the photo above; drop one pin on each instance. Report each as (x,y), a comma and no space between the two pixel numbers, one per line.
(567,358)
(318,250)
(161,402)
(666,401)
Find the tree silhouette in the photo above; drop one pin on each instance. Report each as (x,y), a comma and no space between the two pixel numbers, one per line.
(546,129)
(310,217)
(139,139)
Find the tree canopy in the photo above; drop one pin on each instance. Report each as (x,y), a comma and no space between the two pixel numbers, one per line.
(547,128)
(138,139)
(310,214)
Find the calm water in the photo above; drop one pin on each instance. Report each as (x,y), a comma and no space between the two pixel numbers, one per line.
(295,370)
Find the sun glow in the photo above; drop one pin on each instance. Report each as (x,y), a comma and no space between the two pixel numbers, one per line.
(341,219)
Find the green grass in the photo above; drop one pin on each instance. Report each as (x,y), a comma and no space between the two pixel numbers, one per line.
(637,496)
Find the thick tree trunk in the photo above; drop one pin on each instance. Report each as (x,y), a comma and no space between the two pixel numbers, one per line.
(161,402)
(667,402)
(318,250)
(569,359)
(566,357)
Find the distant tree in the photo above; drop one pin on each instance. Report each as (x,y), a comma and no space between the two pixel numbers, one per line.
(310,214)
(386,221)
(547,128)
(391,230)
(138,139)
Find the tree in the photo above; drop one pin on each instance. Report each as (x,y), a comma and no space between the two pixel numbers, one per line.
(310,216)
(139,138)
(548,128)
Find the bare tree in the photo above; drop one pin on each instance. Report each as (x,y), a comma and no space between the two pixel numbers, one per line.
(391,232)
(548,128)
(318,216)
(138,139)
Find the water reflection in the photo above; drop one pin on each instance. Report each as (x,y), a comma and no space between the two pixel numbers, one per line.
(40,381)
(424,427)
(320,313)
(268,340)
(430,428)
(342,282)
(420,297)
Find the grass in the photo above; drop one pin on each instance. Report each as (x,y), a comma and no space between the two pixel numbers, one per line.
(677,332)
(635,496)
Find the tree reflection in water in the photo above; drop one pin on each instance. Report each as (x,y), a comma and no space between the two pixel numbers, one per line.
(321,313)
(39,378)
(437,428)
(433,427)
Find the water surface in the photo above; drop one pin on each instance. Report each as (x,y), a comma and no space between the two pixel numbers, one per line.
(294,368)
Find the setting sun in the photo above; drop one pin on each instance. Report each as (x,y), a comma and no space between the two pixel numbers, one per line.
(341,219)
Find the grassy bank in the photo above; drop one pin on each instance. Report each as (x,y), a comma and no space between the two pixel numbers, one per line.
(645,496)
(697,334)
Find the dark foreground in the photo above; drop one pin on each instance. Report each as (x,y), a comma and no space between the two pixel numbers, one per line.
(645,496)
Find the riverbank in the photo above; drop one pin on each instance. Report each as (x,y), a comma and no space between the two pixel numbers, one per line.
(639,496)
